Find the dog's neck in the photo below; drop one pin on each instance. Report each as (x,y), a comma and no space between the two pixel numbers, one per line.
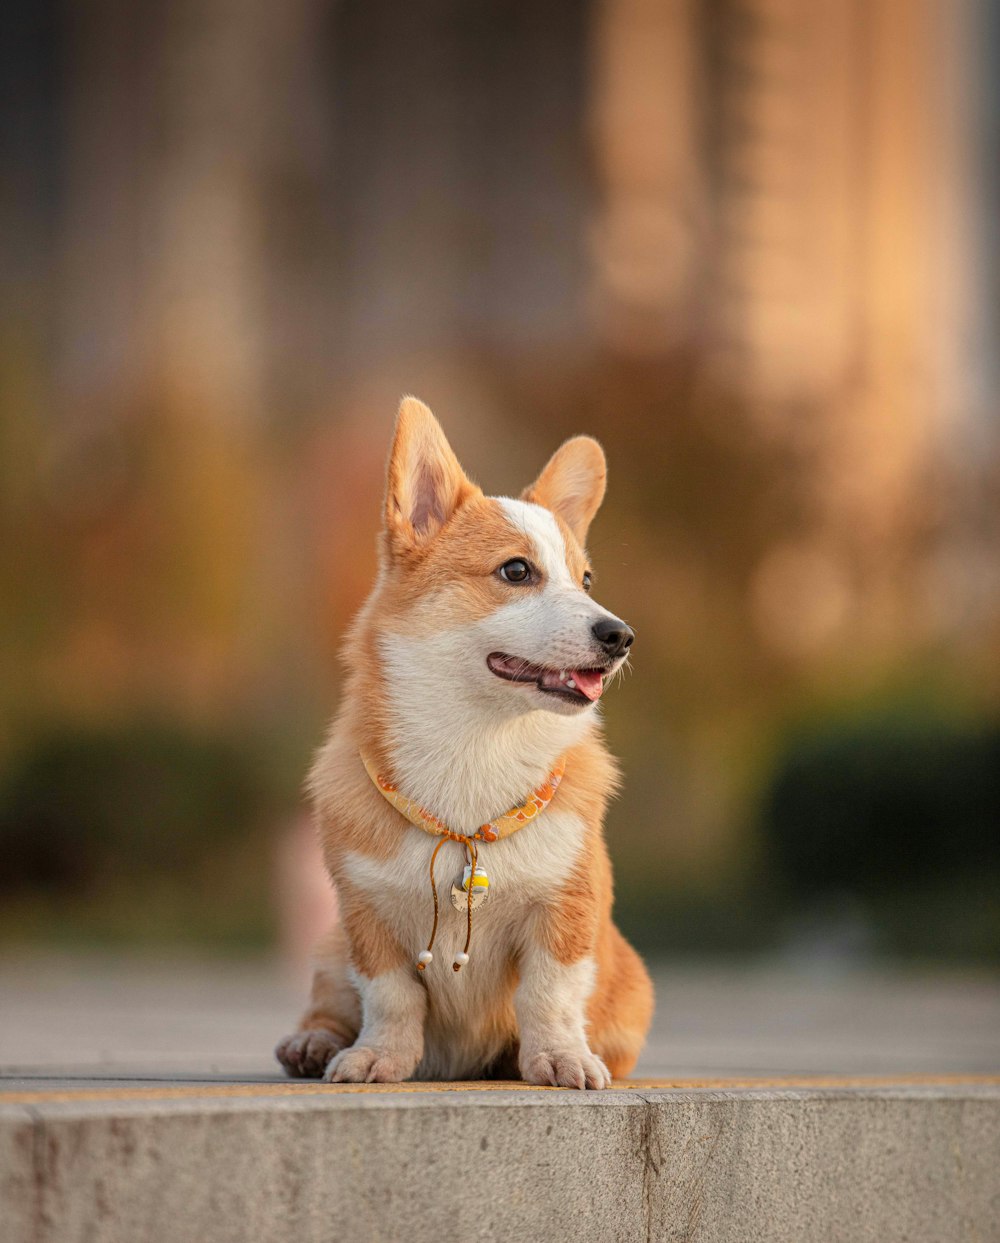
(467,777)
(462,761)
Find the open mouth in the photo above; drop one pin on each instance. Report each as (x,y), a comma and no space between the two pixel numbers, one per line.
(574,685)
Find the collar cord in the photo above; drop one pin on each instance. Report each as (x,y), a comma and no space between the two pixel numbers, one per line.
(495,830)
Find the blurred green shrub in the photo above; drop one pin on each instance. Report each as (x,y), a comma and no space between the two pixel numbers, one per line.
(901,812)
(149,823)
(886,802)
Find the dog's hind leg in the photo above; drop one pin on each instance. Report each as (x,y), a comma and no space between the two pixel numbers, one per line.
(621,1007)
(333,1019)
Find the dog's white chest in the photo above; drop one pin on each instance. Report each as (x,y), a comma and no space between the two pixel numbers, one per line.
(525,868)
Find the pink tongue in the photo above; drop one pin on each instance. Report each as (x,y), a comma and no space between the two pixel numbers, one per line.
(589,681)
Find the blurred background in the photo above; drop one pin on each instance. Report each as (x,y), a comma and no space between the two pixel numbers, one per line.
(752,245)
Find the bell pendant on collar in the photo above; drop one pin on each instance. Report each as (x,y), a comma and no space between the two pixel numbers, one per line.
(480,883)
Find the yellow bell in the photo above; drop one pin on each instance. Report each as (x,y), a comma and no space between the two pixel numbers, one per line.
(480,881)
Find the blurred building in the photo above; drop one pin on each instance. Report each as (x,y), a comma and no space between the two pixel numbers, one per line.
(750,243)
(800,195)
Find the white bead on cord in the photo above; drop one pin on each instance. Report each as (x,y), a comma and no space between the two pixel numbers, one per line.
(461,960)
(423,958)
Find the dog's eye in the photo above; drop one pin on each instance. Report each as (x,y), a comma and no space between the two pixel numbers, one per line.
(516,571)
(586,580)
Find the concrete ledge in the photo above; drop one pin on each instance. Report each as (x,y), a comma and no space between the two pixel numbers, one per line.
(820,1160)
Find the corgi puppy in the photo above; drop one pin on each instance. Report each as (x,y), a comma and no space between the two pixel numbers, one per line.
(461,790)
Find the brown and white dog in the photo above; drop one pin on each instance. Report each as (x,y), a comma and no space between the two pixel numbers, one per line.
(474,669)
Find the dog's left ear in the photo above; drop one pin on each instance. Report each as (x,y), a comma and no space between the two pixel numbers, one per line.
(425,483)
(572,485)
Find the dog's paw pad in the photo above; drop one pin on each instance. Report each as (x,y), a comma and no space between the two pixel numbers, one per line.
(362,1064)
(566,1069)
(306,1055)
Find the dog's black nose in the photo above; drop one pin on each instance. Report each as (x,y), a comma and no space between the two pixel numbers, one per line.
(613,635)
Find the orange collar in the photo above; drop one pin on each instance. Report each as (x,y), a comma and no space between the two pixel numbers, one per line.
(499,827)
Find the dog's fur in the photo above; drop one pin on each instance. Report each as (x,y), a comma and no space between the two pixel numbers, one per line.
(553,992)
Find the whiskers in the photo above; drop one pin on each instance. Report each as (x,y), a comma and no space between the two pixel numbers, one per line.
(619,673)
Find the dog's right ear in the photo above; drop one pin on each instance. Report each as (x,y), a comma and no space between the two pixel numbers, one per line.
(425,483)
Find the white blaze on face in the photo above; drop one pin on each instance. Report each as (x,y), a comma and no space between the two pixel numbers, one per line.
(550,626)
(543,531)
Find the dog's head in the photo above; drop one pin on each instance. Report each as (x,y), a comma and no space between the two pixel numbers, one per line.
(484,603)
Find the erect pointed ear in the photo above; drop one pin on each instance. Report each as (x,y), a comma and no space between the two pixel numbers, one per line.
(572,484)
(425,483)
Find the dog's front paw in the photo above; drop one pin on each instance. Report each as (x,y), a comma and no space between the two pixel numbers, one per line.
(362,1064)
(305,1055)
(565,1068)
